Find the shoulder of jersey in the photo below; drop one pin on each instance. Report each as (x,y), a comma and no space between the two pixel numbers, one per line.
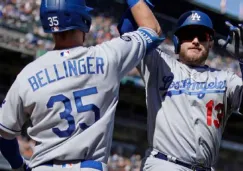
(228,71)
(29,67)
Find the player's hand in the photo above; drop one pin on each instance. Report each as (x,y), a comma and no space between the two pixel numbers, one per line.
(234,42)
(127,22)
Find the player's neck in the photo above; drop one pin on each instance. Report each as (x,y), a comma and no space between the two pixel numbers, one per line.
(196,63)
(68,40)
(192,64)
(67,46)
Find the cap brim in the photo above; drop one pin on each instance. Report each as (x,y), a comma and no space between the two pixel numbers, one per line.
(195,26)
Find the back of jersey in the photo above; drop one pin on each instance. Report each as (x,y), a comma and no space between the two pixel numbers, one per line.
(70,91)
(70,97)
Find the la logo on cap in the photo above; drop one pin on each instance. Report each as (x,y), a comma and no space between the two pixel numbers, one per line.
(195,16)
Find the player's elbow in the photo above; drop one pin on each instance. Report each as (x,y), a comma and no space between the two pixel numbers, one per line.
(154,26)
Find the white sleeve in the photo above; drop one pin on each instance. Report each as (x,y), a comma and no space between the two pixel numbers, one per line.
(126,51)
(149,63)
(11,115)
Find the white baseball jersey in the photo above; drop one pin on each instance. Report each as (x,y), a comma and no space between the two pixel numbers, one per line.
(71,96)
(188,107)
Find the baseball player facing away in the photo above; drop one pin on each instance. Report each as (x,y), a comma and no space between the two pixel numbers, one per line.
(70,93)
(188,102)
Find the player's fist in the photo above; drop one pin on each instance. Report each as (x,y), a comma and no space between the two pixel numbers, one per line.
(234,42)
(127,22)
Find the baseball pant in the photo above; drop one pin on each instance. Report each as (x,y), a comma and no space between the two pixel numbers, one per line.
(154,164)
(81,166)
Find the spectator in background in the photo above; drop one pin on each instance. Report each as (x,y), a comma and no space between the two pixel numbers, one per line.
(23,15)
(120,163)
(26,147)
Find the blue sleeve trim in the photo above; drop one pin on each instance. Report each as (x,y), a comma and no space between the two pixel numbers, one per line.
(9,128)
(152,39)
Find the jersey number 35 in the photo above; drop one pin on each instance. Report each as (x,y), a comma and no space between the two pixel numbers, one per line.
(66,114)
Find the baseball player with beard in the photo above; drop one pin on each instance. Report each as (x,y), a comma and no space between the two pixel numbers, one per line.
(70,94)
(188,102)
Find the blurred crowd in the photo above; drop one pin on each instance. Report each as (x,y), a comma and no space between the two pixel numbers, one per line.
(217,61)
(23,16)
(118,162)
(115,162)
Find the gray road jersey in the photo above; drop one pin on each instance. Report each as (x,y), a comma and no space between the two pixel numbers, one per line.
(70,97)
(187,107)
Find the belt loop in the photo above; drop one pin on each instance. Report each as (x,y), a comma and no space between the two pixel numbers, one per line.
(154,153)
(171,159)
(104,166)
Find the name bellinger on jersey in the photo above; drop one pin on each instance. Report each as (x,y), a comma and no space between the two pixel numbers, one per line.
(69,95)
(70,68)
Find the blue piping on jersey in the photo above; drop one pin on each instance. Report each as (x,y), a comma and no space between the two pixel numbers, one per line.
(200,94)
(8,128)
(152,39)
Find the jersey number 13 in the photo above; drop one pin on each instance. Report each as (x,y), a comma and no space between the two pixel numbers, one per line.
(220,113)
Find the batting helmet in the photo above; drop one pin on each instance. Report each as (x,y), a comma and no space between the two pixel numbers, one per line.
(63,15)
(192,18)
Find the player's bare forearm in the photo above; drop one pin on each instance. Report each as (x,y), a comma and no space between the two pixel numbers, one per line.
(144,17)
